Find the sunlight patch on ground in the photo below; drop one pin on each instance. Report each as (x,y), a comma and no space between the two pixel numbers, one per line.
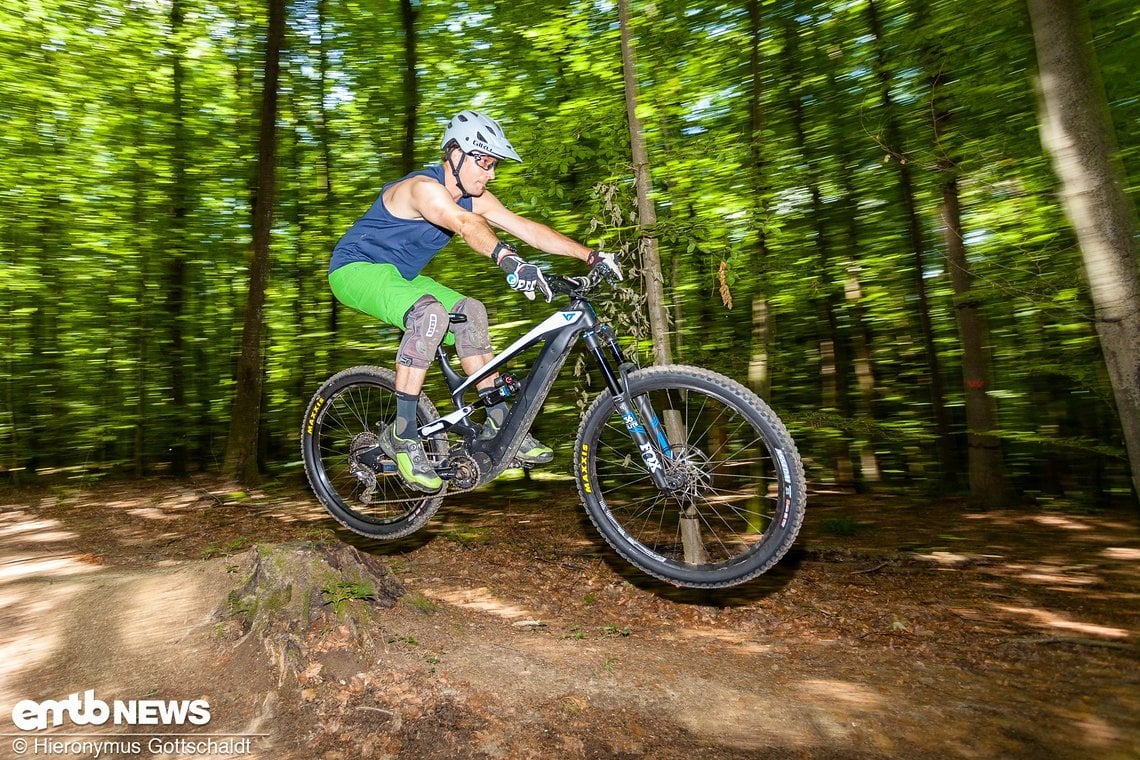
(26,642)
(32,589)
(844,692)
(291,512)
(1122,552)
(19,562)
(122,504)
(160,609)
(151,513)
(1060,577)
(952,559)
(17,568)
(749,720)
(40,528)
(1097,732)
(1057,577)
(1059,521)
(737,639)
(480,599)
(1049,619)
(47,537)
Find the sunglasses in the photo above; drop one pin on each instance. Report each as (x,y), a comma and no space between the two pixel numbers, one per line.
(483,161)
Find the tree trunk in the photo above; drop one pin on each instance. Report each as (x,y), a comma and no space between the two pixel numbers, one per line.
(646,213)
(142,292)
(986,467)
(869,470)
(178,431)
(324,136)
(241,448)
(864,369)
(1077,134)
(834,367)
(988,487)
(759,367)
(411,85)
(916,239)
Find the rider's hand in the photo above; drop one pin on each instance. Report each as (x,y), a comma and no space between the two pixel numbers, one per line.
(606,263)
(525,277)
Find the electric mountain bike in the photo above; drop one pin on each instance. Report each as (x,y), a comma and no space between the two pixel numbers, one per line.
(686,473)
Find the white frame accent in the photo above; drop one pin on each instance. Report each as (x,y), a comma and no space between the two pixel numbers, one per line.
(551,324)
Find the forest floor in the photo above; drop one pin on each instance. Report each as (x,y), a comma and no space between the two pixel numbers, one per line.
(895,629)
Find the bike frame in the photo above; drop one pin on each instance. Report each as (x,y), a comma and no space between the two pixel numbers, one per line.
(559,332)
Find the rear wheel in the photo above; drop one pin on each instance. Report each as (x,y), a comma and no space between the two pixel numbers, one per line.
(350,475)
(736,484)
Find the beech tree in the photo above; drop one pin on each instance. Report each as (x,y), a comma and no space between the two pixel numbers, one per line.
(241,450)
(646,212)
(1077,133)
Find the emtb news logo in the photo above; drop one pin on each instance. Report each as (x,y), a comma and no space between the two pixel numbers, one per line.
(29,715)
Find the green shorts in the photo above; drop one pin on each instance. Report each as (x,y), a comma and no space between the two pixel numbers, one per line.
(381,291)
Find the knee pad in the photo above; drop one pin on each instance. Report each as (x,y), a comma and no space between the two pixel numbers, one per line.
(473,337)
(425,325)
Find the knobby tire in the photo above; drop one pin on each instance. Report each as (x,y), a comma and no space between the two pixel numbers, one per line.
(343,418)
(744,492)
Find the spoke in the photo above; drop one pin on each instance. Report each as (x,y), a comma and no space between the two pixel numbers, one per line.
(723,468)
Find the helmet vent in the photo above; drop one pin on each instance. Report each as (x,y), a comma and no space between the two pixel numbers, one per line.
(475,131)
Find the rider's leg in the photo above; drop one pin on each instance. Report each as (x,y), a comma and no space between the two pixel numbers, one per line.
(425,325)
(473,344)
(472,364)
(410,379)
(473,339)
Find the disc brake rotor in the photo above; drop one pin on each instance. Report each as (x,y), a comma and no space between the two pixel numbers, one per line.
(690,474)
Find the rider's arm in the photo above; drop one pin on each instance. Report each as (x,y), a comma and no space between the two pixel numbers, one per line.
(434,204)
(534,234)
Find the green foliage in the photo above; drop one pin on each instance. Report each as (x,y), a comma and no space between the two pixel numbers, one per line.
(841,526)
(337,595)
(226,549)
(127,141)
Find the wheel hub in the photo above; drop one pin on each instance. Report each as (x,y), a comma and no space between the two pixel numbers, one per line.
(689,473)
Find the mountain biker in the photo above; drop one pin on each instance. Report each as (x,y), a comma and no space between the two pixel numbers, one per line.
(375,268)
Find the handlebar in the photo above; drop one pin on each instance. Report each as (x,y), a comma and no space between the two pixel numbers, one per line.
(577,287)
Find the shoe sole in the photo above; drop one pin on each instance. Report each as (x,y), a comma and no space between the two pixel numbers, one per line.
(540,459)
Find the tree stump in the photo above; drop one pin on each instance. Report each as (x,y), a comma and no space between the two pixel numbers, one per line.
(295,595)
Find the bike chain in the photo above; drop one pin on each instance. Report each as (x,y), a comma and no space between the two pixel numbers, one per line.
(447,490)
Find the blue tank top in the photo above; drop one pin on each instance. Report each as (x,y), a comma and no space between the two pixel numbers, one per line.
(380,237)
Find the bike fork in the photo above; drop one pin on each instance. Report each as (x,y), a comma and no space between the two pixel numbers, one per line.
(654,449)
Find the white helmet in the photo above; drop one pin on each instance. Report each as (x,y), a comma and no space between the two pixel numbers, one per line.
(473,131)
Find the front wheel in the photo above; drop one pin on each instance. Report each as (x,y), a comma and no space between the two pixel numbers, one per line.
(340,445)
(736,494)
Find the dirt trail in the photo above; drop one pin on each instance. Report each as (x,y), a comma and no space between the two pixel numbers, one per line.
(895,630)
